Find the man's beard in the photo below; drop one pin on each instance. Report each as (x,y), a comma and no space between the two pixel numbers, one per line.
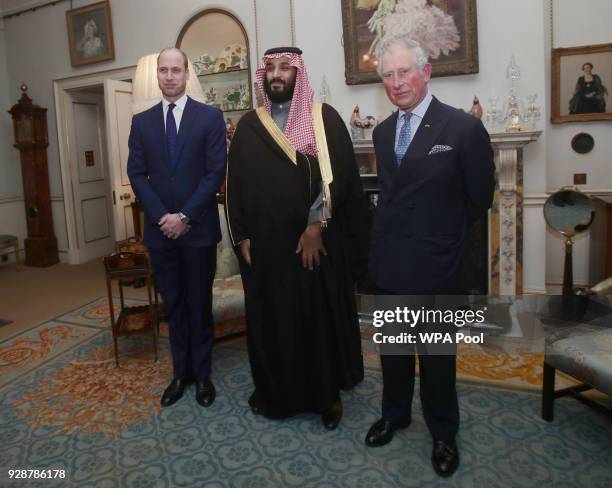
(178,90)
(281,96)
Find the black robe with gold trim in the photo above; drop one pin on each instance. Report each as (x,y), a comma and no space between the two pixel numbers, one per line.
(302,328)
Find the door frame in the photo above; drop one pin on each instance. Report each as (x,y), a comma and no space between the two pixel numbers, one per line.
(61,99)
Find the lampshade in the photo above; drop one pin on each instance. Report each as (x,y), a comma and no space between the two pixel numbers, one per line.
(145,89)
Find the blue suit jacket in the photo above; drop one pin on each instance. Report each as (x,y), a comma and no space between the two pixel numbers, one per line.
(427,203)
(192,185)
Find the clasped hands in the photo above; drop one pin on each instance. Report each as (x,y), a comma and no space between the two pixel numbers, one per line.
(310,245)
(172,226)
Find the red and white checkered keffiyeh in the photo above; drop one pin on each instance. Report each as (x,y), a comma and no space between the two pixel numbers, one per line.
(299,129)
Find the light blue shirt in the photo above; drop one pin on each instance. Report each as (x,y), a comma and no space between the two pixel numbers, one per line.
(415,121)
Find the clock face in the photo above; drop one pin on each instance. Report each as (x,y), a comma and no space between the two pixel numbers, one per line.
(25,129)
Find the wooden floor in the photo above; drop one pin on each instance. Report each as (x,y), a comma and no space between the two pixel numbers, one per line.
(32,295)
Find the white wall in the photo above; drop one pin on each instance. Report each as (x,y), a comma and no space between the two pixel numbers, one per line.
(12,211)
(10,170)
(520,27)
(578,24)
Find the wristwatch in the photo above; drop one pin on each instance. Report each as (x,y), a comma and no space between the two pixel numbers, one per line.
(183,218)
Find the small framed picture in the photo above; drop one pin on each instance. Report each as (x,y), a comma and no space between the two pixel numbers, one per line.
(581,83)
(90,34)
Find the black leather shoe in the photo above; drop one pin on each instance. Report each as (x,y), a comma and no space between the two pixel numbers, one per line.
(255,404)
(173,392)
(205,392)
(382,430)
(331,417)
(445,458)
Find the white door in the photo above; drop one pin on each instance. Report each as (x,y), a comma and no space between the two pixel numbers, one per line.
(88,167)
(118,98)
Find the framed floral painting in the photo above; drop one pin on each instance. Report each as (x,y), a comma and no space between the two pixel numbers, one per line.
(446,29)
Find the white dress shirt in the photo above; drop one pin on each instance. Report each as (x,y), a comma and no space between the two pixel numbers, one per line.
(177,112)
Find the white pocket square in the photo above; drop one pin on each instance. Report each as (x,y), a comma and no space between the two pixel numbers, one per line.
(438,148)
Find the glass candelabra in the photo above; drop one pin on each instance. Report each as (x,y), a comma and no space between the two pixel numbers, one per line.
(513,114)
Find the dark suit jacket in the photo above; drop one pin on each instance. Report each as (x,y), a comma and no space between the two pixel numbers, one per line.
(426,205)
(192,185)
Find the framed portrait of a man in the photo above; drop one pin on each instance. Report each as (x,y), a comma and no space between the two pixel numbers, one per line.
(446,29)
(581,82)
(90,34)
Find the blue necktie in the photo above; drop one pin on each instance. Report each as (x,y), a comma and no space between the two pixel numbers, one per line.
(171,135)
(404,138)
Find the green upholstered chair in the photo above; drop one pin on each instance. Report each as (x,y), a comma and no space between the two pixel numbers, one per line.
(583,352)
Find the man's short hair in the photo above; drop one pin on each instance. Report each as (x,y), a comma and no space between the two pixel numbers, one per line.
(169,48)
(404,41)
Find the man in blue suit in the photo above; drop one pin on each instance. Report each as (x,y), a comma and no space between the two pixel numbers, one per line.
(176,166)
(436,175)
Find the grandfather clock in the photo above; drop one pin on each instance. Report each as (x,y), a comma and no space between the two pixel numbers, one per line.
(30,123)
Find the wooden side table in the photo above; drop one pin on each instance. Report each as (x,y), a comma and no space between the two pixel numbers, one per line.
(132,320)
(10,242)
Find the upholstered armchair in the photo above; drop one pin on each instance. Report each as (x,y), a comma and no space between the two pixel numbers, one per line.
(228,294)
(583,352)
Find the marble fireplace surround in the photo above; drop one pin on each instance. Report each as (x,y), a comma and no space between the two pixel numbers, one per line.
(506,215)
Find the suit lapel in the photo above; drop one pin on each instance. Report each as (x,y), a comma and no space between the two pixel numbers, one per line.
(430,128)
(387,142)
(187,123)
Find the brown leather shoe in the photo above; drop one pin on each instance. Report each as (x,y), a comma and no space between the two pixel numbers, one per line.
(331,417)
(256,404)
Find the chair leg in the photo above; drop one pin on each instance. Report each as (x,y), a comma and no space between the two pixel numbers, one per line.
(153,312)
(17,262)
(548,392)
(109,290)
(116,351)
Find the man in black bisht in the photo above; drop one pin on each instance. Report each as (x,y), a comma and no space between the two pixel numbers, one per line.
(295,210)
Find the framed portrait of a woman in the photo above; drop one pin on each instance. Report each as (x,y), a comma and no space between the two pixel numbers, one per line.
(581,83)
(90,34)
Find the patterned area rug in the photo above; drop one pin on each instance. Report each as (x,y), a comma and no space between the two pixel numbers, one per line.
(64,405)
(54,337)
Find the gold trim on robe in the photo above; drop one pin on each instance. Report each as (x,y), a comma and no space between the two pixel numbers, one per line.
(226,206)
(327,174)
(277,134)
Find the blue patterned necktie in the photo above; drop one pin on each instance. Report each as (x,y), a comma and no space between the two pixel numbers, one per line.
(404,138)
(171,135)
